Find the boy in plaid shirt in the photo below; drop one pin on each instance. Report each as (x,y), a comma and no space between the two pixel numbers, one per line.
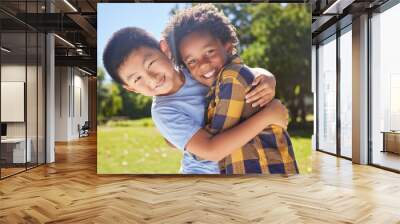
(204,42)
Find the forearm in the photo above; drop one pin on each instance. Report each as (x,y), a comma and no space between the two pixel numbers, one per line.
(221,145)
(231,139)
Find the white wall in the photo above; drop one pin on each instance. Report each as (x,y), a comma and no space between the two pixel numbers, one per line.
(61,103)
(16,73)
(80,115)
(71,93)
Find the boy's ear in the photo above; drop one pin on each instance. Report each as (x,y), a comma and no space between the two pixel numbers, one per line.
(127,88)
(165,48)
(229,48)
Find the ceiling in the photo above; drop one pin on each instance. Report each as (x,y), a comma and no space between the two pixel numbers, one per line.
(330,15)
(75,23)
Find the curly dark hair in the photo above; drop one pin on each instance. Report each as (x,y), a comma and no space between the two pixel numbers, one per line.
(122,44)
(201,17)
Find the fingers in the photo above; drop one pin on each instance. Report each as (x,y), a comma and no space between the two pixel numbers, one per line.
(259,93)
(262,80)
(262,84)
(257,80)
(261,101)
(260,89)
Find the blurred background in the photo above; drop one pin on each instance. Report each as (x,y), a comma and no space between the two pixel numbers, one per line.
(273,36)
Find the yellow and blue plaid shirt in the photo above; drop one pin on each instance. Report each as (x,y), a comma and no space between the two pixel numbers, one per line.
(271,151)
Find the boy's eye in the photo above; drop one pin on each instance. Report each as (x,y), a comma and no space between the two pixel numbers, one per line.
(209,52)
(151,63)
(137,79)
(191,62)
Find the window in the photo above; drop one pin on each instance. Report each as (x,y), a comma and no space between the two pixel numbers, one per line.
(327,95)
(22,68)
(385,88)
(346,92)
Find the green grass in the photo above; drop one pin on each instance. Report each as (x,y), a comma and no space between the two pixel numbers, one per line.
(301,141)
(136,147)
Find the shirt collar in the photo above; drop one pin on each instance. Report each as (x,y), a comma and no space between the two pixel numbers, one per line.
(235,59)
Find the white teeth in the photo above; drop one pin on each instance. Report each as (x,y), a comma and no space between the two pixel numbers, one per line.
(209,74)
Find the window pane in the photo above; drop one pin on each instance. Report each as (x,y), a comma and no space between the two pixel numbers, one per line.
(14,153)
(327,96)
(345,94)
(385,83)
(31,97)
(41,98)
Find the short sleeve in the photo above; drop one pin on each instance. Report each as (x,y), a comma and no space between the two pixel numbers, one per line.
(230,99)
(177,127)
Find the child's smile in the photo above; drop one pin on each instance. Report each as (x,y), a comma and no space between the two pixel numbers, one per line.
(210,75)
(204,55)
(149,72)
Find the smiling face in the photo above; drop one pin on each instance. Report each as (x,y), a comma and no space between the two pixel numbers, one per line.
(149,72)
(204,55)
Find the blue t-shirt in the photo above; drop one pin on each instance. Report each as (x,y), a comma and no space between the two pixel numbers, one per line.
(178,117)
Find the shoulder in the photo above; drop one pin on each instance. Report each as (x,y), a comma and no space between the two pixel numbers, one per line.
(161,109)
(170,113)
(174,124)
(165,117)
(237,73)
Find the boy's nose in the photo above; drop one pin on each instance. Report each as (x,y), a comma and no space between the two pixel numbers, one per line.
(153,80)
(204,63)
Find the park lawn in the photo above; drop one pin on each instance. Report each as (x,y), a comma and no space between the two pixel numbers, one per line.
(301,141)
(137,147)
(134,147)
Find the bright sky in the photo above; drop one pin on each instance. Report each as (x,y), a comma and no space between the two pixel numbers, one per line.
(113,16)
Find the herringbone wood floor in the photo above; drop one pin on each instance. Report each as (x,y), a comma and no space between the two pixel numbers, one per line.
(70,191)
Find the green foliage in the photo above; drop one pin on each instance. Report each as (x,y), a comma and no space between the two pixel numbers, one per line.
(134,105)
(277,37)
(109,101)
(114,100)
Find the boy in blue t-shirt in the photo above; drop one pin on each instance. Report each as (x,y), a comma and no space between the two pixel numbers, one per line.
(140,64)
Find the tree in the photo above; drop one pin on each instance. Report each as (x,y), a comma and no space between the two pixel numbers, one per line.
(135,105)
(114,100)
(277,37)
(109,101)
